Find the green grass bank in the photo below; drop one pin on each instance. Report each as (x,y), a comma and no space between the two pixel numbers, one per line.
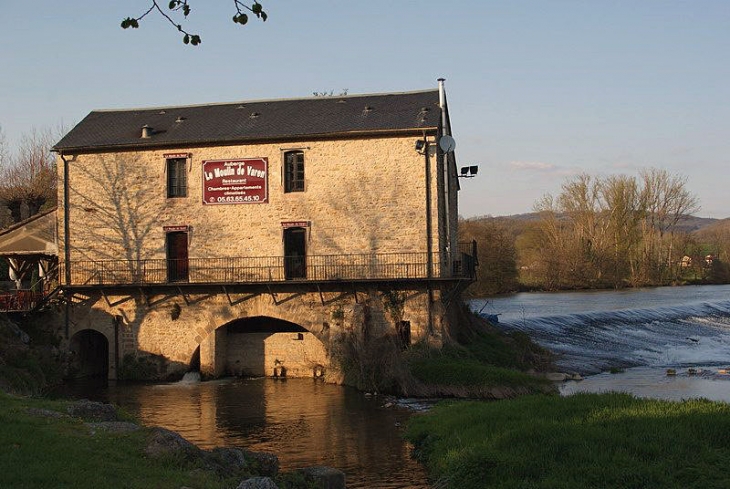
(581,441)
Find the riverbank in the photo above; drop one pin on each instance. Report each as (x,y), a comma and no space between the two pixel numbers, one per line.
(477,362)
(585,440)
(83,445)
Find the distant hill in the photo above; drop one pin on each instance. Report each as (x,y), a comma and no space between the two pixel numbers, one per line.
(687,224)
(721,227)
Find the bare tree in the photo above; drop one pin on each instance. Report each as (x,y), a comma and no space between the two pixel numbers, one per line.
(28,178)
(3,148)
(620,194)
(608,231)
(666,200)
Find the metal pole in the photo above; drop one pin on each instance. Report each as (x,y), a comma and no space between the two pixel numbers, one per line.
(444,161)
(429,233)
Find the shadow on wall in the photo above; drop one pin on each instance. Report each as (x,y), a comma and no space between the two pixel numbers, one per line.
(116,214)
(265,346)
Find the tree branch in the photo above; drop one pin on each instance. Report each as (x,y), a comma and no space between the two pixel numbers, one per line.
(184,5)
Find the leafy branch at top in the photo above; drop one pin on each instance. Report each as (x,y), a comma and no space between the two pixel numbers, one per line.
(183,6)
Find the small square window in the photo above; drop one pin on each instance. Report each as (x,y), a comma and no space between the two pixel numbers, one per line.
(177,177)
(294,171)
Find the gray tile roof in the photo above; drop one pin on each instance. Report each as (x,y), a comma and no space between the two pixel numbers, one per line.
(262,120)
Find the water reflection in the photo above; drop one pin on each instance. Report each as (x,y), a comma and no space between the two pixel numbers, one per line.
(304,422)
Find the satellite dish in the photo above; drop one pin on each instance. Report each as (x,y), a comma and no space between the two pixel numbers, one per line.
(447,144)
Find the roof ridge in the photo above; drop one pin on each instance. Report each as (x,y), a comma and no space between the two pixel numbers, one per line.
(242,102)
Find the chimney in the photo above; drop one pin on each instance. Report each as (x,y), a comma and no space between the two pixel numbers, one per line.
(146,132)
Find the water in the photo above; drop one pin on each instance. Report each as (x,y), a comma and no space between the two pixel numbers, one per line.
(644,332)
(302,421)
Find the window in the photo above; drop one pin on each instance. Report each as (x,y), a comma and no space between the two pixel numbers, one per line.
(294,171)
(177,177)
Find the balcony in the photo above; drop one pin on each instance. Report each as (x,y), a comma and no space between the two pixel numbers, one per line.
(20,300)
(383,267)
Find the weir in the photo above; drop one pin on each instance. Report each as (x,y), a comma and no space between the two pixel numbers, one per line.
(670,333)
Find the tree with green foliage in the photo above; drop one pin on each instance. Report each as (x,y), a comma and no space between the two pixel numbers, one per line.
(176,8)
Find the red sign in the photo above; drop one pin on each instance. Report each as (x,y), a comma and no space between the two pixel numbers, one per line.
(240,181)
(173,229)
(295,224)
(176,155)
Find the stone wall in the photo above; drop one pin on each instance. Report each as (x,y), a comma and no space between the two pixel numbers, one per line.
(170,330)
(275,354)
(361,196)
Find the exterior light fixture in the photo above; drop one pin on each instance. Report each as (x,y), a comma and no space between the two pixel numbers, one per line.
(420,143)
(469,171)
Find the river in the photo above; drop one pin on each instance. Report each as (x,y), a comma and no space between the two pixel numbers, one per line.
(640,333)
(304,422)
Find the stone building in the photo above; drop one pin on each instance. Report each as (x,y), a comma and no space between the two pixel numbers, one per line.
(244,238)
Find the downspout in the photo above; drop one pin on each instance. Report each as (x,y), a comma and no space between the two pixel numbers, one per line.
(66,249)
(429,233)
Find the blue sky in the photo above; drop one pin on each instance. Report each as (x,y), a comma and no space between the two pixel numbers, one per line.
(539,90)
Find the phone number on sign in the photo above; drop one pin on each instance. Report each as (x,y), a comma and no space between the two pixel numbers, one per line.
(237,198)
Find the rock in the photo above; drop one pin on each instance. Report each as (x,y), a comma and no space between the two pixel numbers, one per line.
(46,413)
(556,376)
(258,483)
(231,457)
(227,462)
(166,443)
(93,411)
(324,477)
(114,426)
(18,332)
(266,463)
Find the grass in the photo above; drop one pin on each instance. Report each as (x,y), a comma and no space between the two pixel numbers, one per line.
(582,441)
(42,452)
(487,365)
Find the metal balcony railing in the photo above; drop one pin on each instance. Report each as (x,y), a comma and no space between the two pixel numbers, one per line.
(19,300)
(253,270)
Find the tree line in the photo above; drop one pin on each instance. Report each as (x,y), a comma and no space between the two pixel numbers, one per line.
(602,232)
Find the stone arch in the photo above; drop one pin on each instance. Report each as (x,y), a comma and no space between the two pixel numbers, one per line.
(264,346)
(89,354)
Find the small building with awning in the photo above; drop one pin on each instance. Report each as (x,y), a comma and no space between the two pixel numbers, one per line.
(30,249)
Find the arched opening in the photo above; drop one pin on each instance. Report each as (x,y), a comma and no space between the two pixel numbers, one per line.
(265,346)
(89,355)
